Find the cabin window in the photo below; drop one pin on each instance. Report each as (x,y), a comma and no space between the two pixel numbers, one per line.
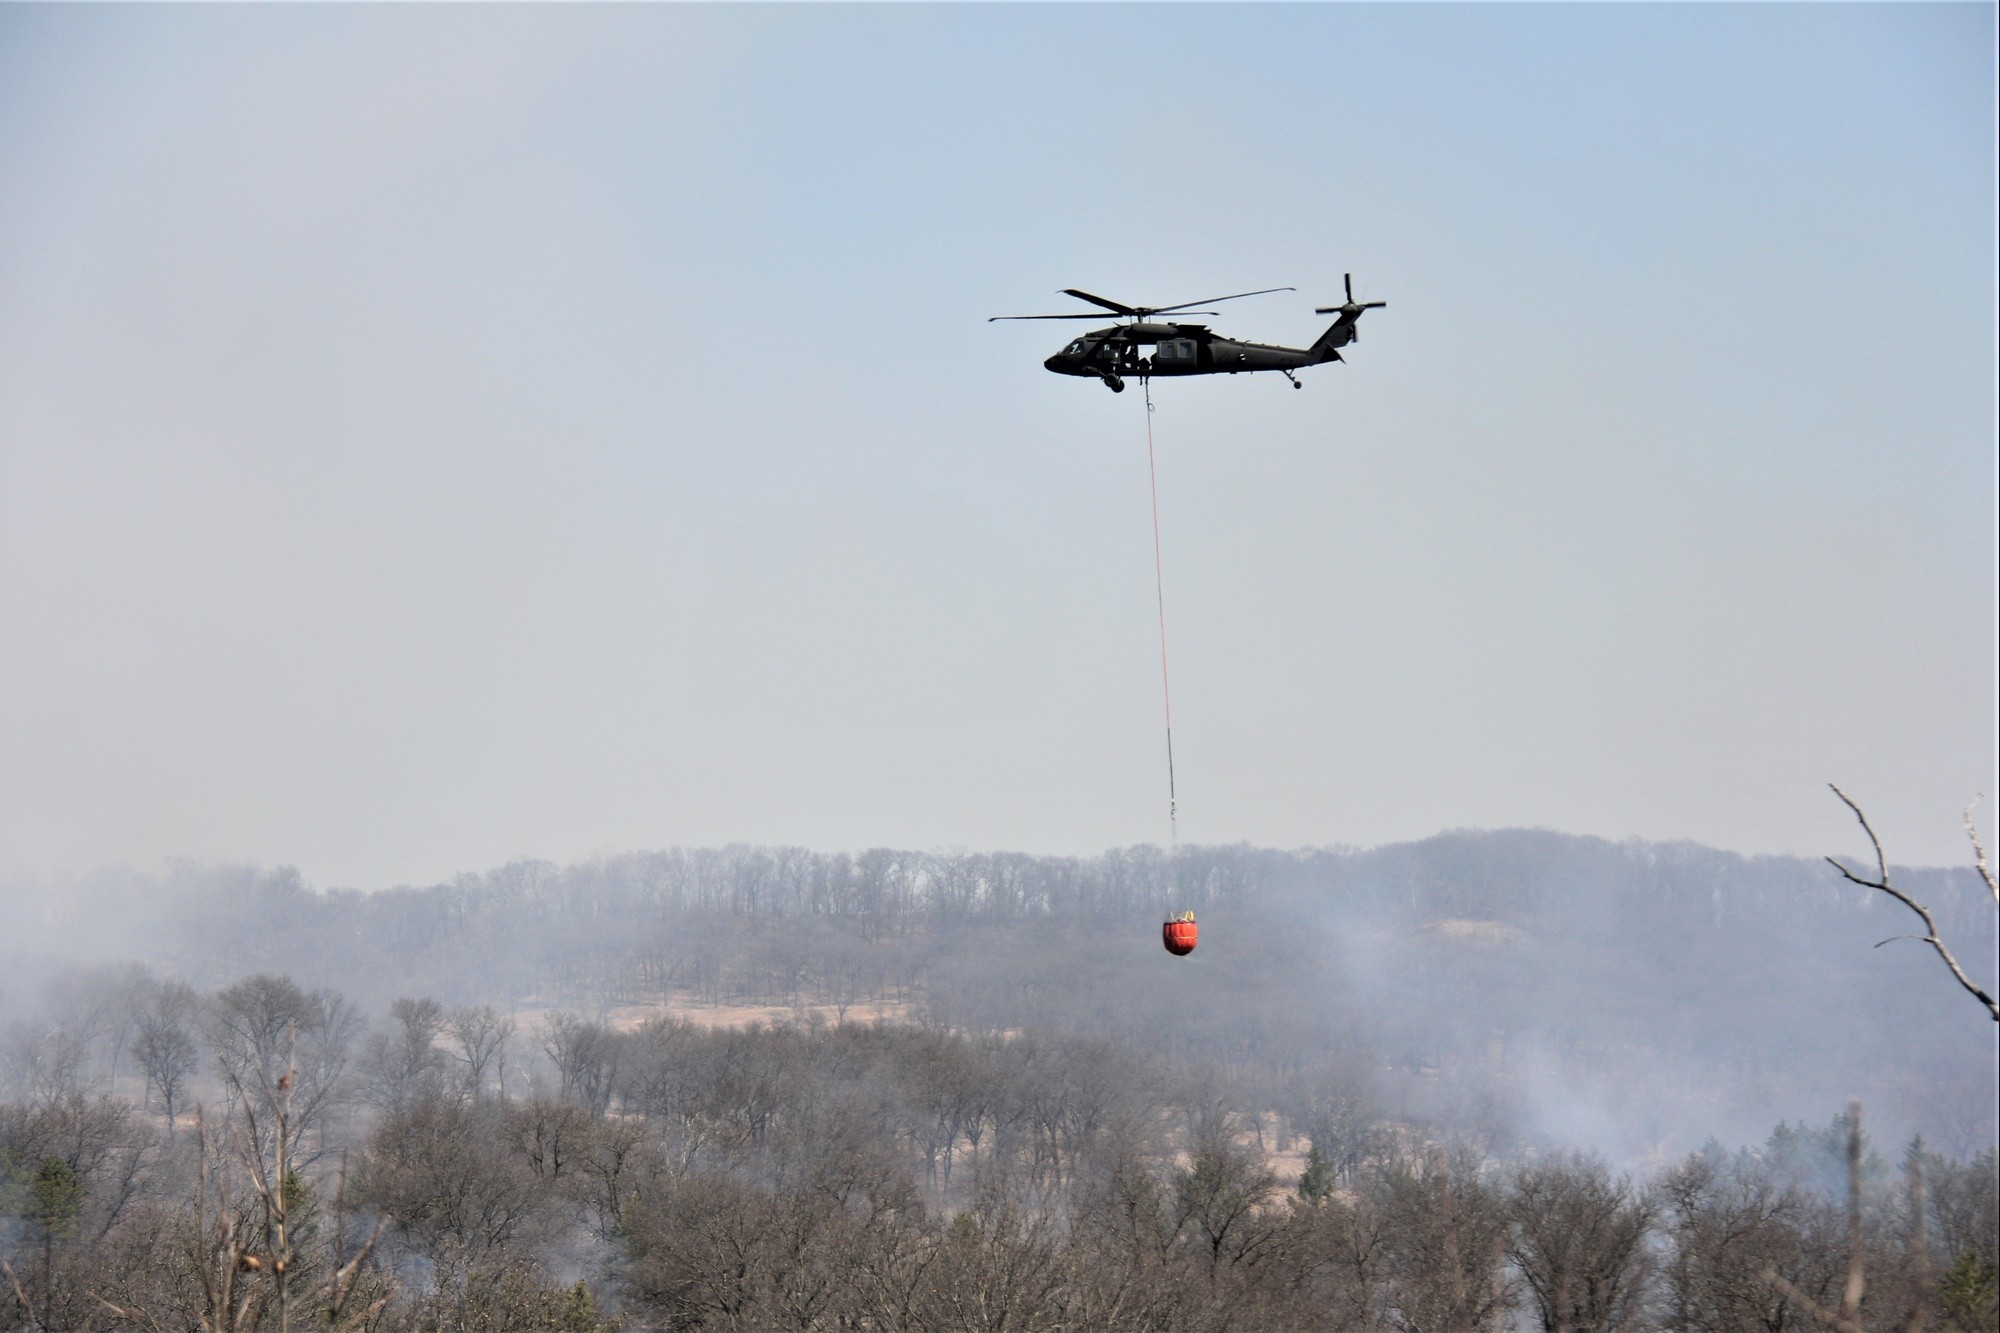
(1175,349)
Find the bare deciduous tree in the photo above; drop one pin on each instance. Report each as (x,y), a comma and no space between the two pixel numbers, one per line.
(1730,1224)
(586,1056)
(1579,1242)
(1220,1198)
(403,1065)
(46,1063)
(479,1036)
(166,1053)
(439,1170)
(1447,1246)
(265,1028)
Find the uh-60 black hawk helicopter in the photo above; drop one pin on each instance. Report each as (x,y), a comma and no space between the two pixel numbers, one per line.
(1192,349)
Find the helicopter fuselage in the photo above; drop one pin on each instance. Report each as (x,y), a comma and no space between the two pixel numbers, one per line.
(1112,354)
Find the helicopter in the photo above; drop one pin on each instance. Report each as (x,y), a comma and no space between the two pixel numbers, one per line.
(1191,349)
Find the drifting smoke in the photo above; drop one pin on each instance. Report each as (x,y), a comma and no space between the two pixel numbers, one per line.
(1636,999)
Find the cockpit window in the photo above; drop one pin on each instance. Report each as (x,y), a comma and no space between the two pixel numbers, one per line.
(1074,349)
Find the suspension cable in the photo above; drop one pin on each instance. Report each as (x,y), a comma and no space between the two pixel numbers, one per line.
(1160,600)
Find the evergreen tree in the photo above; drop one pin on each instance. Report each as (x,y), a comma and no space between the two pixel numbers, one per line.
(1970,1294)
(55,1200)
(1317,1180)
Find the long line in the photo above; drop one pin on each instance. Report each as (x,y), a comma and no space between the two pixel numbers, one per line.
(1160,600)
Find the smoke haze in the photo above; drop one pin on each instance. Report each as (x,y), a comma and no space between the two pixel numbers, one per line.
(1633,998)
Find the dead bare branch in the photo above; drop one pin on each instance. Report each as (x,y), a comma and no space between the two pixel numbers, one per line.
(1979,851)
(1919,1250)
(1847,1318)
(1830,1318)
(341,1285)
(1850,1296)
(118,1310)
(1930,936)
(27,1310)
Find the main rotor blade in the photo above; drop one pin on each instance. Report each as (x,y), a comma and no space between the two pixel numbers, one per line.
(1136,314)
(1098,300)
(1210,300)
(1092,315)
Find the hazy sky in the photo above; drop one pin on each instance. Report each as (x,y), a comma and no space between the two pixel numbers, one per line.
(431,436)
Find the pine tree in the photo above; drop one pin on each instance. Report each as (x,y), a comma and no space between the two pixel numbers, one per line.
(1970,1292)
(55,1201)
(1317,1180)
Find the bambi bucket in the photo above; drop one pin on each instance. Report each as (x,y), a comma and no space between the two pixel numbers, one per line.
(1179,936)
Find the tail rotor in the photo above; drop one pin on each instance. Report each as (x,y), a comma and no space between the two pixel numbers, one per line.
(1350,310)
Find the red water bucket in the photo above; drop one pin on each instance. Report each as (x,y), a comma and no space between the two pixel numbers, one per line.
(1179,937)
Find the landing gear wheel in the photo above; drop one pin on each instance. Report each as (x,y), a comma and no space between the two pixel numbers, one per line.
(1113,383)
(1297,385)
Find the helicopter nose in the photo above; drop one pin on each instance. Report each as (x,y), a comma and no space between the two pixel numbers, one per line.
(1053,363)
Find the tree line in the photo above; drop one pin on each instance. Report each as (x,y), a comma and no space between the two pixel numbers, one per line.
(1670,989)
(266,1152)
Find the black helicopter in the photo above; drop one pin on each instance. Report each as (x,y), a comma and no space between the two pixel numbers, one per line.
(1191,349)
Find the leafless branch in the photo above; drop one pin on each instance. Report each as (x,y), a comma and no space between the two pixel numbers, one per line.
(1830,1318)
(1850,1296)
(118,1310)
(1979,851)
(26,1309)
(1881,861)
(341,1285)
(1919,1261)
(1930,936)
(1847,1318)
